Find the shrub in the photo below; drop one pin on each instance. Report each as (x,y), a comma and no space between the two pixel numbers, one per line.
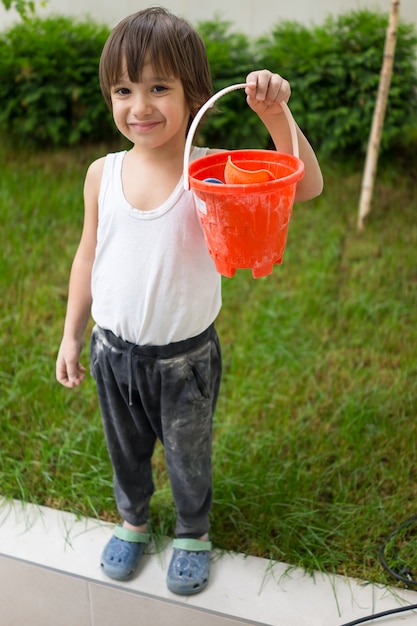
(334,71)
(49,90)
(232,57)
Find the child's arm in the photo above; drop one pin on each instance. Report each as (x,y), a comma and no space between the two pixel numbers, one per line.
(69,371)
(264,92)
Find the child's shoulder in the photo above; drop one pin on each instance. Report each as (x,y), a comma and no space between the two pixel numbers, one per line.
(214,151)
(95,169)
(99,163)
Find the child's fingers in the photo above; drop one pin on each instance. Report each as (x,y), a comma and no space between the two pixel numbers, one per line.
(263,86)
(279,90)
(76,375)
(69,374)
(257,85)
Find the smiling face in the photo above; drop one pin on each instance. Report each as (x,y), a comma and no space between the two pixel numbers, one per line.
(176,56)
(152,112)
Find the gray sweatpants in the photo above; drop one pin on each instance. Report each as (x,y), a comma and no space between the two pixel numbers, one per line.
(166,392)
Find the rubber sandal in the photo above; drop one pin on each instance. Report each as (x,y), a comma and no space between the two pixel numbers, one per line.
(189,569)
(121,555)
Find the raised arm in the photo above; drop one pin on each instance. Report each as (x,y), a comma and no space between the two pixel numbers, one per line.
(265,91)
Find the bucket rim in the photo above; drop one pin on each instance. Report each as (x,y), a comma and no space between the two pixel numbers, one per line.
(237,188)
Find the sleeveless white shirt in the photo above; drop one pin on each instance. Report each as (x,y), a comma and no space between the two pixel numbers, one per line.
(153,280)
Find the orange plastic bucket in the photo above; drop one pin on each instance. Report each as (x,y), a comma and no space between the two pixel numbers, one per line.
(246,224)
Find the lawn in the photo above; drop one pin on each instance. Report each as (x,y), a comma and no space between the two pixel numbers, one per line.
(315,438)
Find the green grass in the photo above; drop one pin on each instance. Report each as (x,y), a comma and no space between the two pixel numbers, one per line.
(315,438)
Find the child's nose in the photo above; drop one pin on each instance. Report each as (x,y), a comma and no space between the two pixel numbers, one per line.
(141,105)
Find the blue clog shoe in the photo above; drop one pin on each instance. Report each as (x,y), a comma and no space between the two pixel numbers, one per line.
(189,569)
(122,554)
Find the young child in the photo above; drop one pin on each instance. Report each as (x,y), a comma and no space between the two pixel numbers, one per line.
(143,271)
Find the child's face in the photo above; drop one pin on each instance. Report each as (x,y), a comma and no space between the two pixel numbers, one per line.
(151,113)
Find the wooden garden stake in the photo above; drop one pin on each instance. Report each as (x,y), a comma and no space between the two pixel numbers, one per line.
(379,114)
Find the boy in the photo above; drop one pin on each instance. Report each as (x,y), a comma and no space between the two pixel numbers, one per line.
(143,270)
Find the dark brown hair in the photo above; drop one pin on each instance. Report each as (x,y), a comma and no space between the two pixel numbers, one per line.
(171,45)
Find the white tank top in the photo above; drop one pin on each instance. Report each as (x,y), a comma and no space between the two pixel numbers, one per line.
(153,280)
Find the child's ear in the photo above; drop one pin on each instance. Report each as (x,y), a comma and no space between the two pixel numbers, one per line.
(194,108)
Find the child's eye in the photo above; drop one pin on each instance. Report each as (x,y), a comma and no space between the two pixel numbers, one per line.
(159,89)
(122,91)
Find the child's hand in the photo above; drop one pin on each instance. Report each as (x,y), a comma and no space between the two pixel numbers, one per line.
(265,91)
(69,371)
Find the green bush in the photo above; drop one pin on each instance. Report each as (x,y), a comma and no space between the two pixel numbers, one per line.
(232,57)
(334,71)
(49,90)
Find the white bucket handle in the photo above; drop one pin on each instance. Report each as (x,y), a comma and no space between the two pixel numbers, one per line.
(208,105)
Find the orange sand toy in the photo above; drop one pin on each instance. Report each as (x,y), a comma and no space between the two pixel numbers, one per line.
(234,175)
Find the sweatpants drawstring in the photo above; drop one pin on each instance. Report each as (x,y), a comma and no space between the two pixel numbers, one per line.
(129,355)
